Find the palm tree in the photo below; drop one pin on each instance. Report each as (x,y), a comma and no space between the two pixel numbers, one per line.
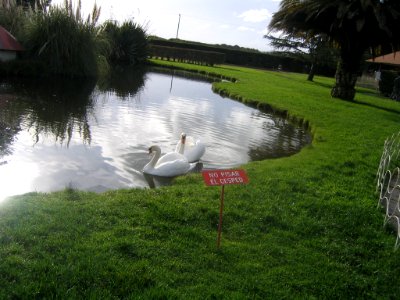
(355,26)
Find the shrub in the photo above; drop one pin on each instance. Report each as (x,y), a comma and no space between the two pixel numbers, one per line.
(13,18)
(386,82)
(63,41)
(128,42)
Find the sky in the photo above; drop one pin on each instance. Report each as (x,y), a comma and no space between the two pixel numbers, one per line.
(232,22)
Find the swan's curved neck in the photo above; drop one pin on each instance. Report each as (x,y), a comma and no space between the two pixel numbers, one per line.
(182,145)
(156,155)
(181,148)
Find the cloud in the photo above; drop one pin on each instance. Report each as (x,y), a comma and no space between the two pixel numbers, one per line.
(255,15)
(244,28)
(265,31)
(225,26)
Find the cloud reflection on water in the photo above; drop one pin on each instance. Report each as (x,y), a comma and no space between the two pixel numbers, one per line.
(97,138)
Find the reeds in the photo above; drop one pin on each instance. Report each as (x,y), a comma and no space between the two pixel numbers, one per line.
(62,41)
(59,40)
(13,17)
(128,42)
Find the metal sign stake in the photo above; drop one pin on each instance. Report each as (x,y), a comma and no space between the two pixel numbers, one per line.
(221,209)
(222,178)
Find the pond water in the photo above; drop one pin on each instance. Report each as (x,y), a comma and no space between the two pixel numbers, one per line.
(95,135)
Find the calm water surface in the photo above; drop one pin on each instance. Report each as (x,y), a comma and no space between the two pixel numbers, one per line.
(95,136)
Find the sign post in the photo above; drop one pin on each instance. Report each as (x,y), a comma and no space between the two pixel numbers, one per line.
(221,209)
(222,178)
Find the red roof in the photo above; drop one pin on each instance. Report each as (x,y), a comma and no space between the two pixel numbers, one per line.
(390,59)
(8,42)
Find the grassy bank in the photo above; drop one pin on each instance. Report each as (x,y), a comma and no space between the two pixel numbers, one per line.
(305,226)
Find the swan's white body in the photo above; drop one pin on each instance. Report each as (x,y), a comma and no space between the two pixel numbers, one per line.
(192,149)
(169,165)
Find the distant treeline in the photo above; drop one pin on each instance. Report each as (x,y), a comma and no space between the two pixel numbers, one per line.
(239,57)
(187,55)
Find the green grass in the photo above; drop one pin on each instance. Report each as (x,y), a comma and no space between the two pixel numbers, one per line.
(306,226)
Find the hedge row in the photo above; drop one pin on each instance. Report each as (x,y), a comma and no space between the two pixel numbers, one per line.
(240,57)
(209,58)
(386,82)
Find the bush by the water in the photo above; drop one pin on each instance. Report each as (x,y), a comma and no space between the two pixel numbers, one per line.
(59,41)
(13,18)
(128,42)
(386,82)
(62,41)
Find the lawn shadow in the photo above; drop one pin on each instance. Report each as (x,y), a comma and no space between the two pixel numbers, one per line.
(390,110)
(367,93)
(323,84)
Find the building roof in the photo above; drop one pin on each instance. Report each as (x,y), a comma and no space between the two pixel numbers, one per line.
(389,59)
(8,42)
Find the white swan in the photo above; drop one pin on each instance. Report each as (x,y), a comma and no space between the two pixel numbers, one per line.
(169,165)
(192,149)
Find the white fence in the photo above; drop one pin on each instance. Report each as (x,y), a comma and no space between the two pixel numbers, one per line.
(388,183)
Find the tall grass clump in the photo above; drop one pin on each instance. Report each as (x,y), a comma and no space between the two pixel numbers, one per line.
(13,17)
(62,41)
(128,42)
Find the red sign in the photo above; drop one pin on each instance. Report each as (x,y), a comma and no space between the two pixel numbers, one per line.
(224,177)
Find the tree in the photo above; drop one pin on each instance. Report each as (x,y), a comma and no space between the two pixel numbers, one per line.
(314,49)
(354,25)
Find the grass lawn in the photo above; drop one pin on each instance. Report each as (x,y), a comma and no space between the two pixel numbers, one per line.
(306,226)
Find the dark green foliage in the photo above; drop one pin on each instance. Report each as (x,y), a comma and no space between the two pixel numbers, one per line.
(128,42)
(134,79)
(209,58)
(313,49)
(386,82)
(59,41)
(23,68)
(13,19)
(64,43)
(241,57)
(40,4)
(71,110)
(395,95)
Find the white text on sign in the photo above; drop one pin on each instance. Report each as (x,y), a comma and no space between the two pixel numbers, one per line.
(224,177)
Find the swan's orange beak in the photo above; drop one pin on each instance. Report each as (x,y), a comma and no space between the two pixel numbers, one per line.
(183,138)
(150,150)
